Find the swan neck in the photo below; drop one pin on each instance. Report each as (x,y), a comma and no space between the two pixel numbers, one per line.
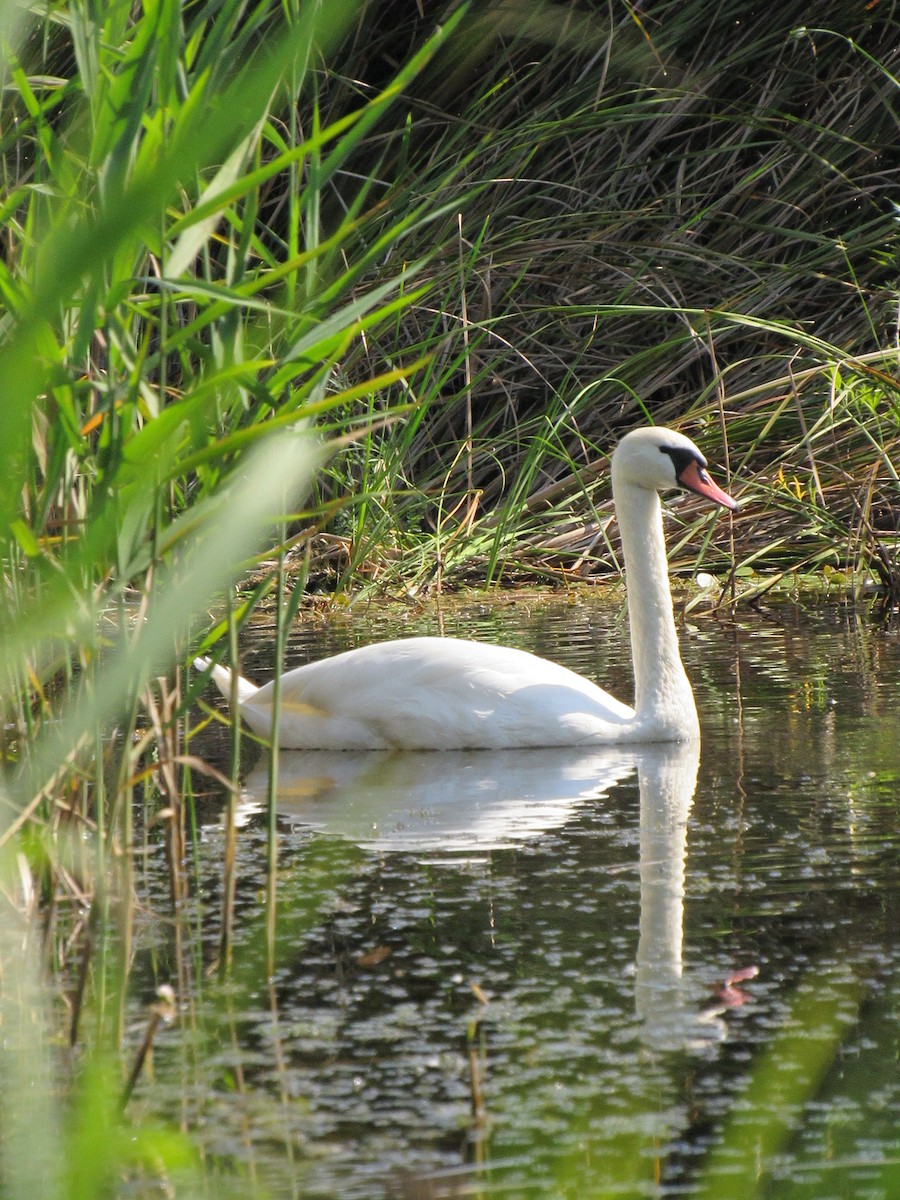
(663,696)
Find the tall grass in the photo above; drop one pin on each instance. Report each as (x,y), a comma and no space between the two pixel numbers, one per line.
(167,354)
(369,291)
(159,335)
(692,218)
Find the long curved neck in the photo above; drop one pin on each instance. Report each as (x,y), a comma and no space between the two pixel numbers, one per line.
(663,697)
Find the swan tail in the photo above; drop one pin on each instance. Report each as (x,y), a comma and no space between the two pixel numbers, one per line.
(222,677)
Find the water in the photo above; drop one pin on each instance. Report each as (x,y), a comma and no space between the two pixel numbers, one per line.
(556,974)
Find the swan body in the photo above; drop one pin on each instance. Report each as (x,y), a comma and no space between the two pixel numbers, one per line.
(431,693)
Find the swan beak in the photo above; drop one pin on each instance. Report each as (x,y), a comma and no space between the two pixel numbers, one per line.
(695,479)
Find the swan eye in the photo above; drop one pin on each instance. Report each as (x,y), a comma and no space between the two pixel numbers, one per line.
(682,459)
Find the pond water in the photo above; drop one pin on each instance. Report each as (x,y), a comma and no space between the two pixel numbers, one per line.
(633,973)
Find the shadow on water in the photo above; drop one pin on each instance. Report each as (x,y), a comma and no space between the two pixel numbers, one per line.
(532,973)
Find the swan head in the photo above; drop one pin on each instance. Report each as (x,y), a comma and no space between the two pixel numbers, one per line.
(660,459)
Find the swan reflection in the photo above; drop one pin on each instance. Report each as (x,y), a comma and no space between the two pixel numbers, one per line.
(462,804)
(673,1012)
(455,801)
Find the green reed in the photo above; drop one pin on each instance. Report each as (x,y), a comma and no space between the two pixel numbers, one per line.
(166,359)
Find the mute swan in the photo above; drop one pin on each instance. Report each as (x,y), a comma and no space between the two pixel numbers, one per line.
(431,693)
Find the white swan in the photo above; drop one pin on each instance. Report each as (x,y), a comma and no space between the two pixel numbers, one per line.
(432,693)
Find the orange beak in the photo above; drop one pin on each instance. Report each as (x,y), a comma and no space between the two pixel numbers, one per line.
(695,479)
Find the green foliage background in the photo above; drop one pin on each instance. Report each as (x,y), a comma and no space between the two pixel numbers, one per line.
(372,288)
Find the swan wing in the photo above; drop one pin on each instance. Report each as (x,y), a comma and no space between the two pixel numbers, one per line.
(437,693)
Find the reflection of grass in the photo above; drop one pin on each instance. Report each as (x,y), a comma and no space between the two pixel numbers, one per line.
(622,1148)
(786,1078)
(213,244)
